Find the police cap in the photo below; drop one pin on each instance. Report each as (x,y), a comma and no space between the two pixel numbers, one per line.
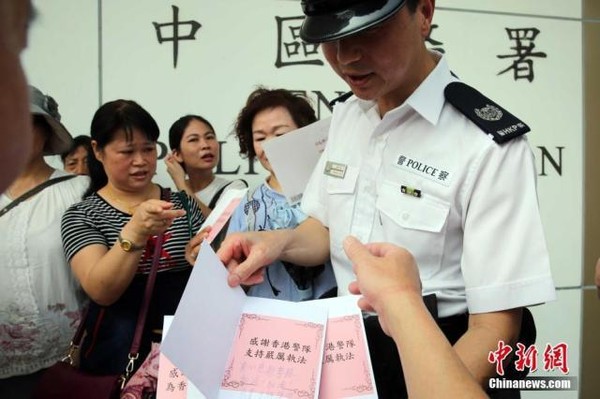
(328,20)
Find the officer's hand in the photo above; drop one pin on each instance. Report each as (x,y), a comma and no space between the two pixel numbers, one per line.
(246,254)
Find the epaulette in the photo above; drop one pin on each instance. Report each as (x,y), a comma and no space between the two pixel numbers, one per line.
(340,99)
(489,116)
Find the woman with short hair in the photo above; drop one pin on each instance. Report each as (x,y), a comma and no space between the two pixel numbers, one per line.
(109,238)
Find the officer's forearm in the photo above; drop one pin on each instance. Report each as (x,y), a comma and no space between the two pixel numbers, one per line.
(308,244)
(484,332)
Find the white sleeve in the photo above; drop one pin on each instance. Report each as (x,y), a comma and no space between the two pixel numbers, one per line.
(314,199)
(505,260)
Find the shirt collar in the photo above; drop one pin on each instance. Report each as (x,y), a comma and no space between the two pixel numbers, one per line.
(428,99)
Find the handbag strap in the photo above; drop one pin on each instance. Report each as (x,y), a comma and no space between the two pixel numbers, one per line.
(217,196)
(141,321)
(34,191)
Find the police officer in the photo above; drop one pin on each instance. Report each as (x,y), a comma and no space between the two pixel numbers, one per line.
(421,160)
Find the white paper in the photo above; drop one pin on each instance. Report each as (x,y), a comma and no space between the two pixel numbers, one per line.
(294,155)
(205,323)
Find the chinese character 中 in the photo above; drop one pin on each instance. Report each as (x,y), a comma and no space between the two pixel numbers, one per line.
(522,66)
(176,36)
(291,50)
(555,357)
(499,355)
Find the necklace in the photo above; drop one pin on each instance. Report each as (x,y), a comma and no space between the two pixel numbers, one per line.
(128,205)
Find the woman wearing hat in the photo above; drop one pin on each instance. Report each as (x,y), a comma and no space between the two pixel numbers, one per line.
(40,299)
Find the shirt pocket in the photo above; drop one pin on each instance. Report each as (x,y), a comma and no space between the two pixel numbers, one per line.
(416,223)
(345,185)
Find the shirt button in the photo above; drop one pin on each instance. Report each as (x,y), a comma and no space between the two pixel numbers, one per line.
(405,216)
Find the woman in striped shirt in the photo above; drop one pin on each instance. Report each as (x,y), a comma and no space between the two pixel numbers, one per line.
(109,237)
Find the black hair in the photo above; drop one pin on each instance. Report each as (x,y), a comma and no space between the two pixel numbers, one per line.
(260,99)
(179,126)
(79,141)
(110,118)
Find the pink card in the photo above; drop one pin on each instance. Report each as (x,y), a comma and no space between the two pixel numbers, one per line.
(345,356)
(231,346)
(223,211)
(347,368)
(172,384)
(275,356)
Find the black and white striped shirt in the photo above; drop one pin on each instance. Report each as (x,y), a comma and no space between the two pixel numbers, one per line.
(95,221)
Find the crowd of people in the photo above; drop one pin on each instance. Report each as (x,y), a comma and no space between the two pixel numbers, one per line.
(85,237)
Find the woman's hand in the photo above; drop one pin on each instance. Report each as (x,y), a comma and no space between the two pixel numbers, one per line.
(150,218)
(176,171)
(193,246)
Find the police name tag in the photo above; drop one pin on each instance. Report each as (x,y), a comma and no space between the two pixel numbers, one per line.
(335,169)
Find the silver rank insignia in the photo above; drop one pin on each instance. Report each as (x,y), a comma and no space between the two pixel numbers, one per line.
(489,113)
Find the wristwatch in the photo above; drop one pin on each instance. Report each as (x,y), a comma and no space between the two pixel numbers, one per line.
(128,245)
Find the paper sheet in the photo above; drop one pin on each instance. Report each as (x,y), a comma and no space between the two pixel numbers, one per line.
(294,155)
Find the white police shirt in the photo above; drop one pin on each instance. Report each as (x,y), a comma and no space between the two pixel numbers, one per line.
(426,178)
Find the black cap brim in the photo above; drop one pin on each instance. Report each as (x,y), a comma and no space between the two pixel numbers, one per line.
(336,25)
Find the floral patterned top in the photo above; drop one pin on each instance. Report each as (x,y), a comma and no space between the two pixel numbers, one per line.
(266,209)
